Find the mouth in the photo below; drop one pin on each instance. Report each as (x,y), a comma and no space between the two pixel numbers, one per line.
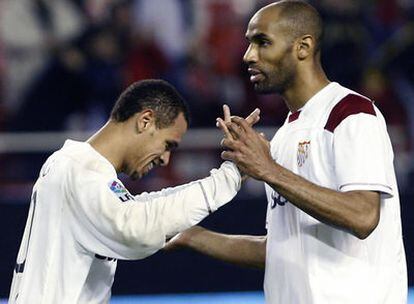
(255,75)
(149,167)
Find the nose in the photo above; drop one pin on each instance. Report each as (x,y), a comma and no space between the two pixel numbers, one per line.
(250,56)
(165,158)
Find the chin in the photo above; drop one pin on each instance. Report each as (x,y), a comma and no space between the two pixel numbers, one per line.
(269,88)
(263,89)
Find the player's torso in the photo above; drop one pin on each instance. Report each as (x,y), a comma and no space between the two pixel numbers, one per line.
(302,147)
(51,266)
(300,249)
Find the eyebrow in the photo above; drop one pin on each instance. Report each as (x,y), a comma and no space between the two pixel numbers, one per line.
(256,37)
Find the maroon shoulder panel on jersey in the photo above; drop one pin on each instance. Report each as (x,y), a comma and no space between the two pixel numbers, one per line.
(349,105)
(294,116)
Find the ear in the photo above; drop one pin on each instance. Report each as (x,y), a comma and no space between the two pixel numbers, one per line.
(305,47)
(144,120)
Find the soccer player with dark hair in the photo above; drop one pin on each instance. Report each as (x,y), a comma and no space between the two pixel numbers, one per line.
(82,218)
(157,95)
(333,218)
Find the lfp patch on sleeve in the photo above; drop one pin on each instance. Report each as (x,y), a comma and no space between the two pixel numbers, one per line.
(120,191)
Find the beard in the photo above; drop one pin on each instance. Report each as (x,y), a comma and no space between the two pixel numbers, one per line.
(276,81)
(279,78)
(267,87)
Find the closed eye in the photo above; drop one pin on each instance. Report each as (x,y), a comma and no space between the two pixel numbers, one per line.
(264,43)
(171,145)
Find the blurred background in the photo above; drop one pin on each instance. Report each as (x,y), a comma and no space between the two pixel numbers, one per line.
(64,62)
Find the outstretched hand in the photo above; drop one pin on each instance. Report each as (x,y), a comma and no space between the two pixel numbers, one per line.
(248,149)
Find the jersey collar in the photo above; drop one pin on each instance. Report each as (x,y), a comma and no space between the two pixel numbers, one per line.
(315,104)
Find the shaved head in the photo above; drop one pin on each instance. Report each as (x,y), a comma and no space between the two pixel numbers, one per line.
(296,18)
(284,44)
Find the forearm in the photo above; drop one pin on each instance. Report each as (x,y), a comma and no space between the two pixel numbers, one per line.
(352,211)
(242,250)
(181,207)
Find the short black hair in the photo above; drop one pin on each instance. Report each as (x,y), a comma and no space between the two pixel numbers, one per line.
(302,18)
(155,94)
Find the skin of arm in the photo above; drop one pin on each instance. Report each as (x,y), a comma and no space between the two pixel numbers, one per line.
(242,250)
(357,212)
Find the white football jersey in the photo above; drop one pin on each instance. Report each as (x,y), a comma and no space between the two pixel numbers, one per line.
(338,140)
(82,219)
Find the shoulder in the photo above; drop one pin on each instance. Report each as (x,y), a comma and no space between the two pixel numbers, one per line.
(350,104)
(84,161)
(81,173)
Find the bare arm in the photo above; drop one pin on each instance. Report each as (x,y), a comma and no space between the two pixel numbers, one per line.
(354,211)
(242,250)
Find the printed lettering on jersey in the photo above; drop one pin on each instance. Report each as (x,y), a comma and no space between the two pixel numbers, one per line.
(278,199)
(303,152)
(120,191)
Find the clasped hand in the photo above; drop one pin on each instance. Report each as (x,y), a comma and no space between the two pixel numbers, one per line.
(244,146)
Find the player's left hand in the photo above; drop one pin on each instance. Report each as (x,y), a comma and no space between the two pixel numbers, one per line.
(248,149)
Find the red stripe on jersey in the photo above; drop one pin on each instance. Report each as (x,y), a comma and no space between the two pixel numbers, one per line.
(294,116)
(350,105)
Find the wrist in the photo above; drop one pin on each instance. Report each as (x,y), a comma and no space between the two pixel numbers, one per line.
(192,237)
(269,173)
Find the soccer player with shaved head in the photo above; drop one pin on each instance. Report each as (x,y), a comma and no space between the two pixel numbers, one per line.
(333,217)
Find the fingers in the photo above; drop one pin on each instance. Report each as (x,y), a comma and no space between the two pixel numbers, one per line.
(226,113)
(240,122)
(228,143)
(263,136)
(222,126)
(228,155)
(239,128)
(235,130)
(253,117)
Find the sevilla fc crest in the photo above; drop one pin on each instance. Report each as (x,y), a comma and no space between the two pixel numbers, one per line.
(303,152)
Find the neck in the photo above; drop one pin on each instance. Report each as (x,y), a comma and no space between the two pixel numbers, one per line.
(107,141)
(309,82)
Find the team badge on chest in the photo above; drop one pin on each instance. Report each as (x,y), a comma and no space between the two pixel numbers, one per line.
(303,152)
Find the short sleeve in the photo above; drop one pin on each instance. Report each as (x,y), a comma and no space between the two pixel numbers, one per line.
(361,154)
